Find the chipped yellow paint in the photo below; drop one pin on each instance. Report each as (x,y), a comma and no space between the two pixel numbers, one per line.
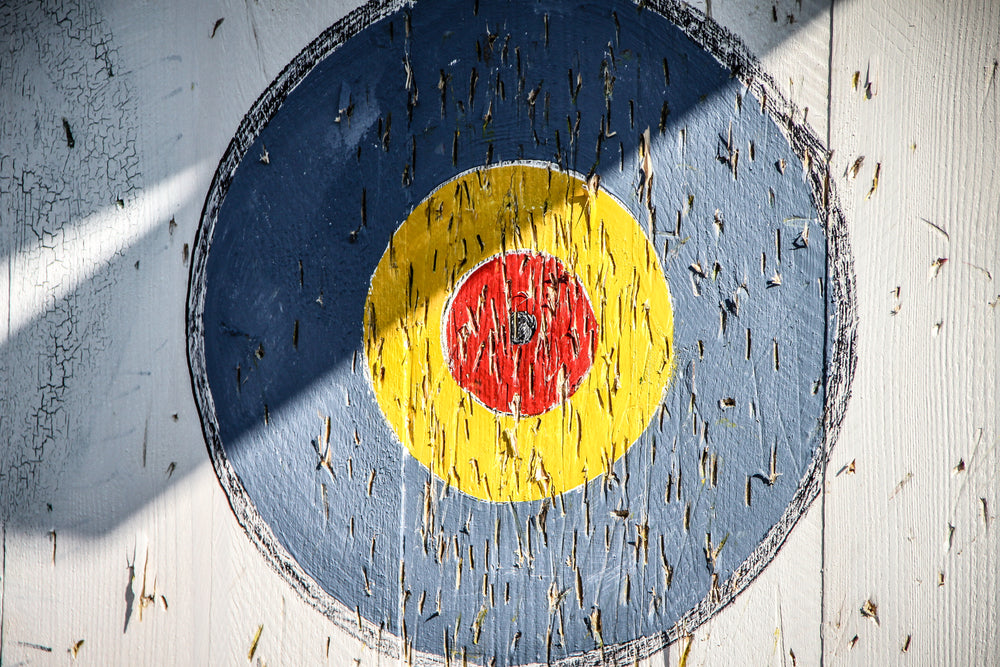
(480,214)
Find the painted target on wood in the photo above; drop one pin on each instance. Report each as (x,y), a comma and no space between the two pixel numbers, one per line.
(519,330)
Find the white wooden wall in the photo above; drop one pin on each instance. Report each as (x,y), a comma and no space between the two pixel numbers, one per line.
(121,500)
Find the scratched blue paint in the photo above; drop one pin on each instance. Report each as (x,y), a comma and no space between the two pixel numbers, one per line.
(305,206)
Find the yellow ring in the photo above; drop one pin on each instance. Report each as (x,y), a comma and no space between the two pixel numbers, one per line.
(479,214)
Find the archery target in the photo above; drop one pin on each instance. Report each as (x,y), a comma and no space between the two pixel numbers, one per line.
(524,340)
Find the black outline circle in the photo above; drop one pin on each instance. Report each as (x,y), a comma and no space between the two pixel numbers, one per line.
(839,362)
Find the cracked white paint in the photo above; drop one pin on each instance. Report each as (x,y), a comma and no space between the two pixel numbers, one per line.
(83,247)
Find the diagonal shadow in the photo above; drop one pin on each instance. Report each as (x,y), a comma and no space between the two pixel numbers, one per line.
(111,455)
(767,30)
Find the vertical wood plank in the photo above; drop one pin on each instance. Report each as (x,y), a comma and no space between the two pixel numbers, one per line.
(912,485)
(125,476)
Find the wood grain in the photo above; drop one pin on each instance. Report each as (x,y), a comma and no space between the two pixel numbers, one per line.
(906,530)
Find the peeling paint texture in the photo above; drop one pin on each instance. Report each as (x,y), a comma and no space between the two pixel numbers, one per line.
(64,120)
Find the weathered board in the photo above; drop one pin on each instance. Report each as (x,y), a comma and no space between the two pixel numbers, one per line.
(120,545)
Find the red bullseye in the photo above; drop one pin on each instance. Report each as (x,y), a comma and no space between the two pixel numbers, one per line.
(520,333)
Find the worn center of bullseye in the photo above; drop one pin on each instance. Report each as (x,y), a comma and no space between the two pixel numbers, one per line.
(520,333)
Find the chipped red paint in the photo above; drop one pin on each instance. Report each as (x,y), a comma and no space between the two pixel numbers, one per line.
(520,333)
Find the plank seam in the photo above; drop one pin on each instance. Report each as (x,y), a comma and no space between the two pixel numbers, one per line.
(826,444)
